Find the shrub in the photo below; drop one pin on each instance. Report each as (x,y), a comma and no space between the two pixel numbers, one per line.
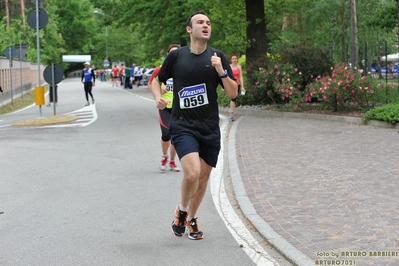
(311,61)
(278,85)
(348,85)
(388,113)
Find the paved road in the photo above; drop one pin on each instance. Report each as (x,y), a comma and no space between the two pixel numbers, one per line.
(320,190)
(91,193)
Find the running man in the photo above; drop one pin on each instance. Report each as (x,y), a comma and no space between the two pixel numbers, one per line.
(164,119)
(197,70)
(89,81)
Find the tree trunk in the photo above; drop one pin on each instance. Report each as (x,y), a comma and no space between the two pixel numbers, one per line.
(7,16)
(397,7)
(355,44)
(23,15)
(256,35)
(344,54)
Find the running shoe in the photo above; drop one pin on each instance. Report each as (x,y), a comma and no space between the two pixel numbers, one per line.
(164,163)
(87,104)
(180,223)
(92,101)
(174,167)
(194,232)
(232,119)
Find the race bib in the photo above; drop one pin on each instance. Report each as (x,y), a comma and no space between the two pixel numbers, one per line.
(193,96)
(169,85)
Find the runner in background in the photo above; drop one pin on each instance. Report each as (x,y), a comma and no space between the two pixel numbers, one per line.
(237,72)
(115,76)
(164,119)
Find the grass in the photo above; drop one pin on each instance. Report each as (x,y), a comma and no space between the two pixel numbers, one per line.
(19,103)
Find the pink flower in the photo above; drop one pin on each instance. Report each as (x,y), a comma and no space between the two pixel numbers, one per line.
(275,66)
(257,83)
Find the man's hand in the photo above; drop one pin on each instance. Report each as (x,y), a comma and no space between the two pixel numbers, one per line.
(217,63)
(162,103)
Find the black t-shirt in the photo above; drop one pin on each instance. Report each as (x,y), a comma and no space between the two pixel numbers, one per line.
(195,81)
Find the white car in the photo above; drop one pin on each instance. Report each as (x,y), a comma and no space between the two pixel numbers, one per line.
(146,76)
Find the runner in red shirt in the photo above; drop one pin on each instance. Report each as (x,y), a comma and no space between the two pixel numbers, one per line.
(114,73)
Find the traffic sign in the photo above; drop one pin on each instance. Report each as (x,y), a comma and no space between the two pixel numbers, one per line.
(10,52)
(21,49)
(58,74)
(43,18)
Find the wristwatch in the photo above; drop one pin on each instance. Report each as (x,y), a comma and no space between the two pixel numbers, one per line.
(224,74)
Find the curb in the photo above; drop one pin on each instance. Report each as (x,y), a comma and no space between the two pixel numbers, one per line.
(333,118)
(264,113)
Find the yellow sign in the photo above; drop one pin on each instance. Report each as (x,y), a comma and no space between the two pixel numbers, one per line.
(39,95)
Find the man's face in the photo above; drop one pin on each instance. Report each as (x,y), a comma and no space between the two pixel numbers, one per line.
(201,27)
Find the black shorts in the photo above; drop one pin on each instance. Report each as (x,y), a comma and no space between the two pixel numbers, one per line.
(187,141)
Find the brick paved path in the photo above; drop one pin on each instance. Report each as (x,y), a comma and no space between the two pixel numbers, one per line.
(324,186)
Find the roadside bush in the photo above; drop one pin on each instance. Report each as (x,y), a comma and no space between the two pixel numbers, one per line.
(311,61)
(347,86)
(388,113)
(277,85)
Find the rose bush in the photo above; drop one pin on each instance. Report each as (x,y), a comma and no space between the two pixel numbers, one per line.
(347,87)
(278,85)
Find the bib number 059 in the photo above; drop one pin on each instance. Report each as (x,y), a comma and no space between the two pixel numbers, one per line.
(194,101)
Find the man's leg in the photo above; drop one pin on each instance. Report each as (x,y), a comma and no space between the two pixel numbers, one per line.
(191,164)
(192,168)
(196,198)
(86,86)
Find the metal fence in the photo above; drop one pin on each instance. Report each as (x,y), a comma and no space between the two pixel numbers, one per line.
(17,80)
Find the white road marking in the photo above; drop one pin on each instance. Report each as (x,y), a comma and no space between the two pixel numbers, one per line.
(236,227)
(87,115)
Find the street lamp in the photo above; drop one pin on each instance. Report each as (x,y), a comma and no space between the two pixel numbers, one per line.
(106,34)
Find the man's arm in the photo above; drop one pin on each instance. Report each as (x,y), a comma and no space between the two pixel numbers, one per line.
(94,76)
(229,85)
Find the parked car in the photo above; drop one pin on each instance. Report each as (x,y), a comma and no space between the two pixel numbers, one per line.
(146,76)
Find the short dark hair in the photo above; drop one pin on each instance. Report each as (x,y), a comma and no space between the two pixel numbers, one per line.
(189,22)
(173,46)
